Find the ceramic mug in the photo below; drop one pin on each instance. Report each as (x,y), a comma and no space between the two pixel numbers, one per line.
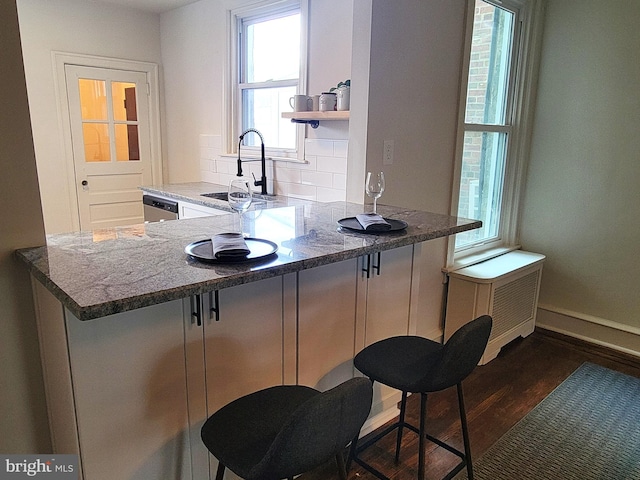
(300,103)
(315,103)
(327,102)
(344,98)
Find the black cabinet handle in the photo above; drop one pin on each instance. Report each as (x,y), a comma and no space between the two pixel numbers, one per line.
(214,302)
(377,267)
(196,311)
(367,268)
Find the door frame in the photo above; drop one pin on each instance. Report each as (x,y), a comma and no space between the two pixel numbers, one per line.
(60,60)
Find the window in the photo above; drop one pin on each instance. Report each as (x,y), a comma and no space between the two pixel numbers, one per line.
(269,59)
(493,123)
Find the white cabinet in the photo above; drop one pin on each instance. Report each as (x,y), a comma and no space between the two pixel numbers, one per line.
(115,390)
(232,352)
(194,210)
(385,285)
(129,392)
(326,321)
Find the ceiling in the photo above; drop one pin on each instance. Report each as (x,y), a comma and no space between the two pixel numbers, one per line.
(155,6)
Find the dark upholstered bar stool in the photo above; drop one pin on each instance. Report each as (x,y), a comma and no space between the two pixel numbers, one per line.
(418,365)
(283,431)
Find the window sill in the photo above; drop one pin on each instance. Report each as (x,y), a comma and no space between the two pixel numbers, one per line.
(274,158)
(468,260)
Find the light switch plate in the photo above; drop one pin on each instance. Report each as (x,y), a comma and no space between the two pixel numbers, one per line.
(387,155)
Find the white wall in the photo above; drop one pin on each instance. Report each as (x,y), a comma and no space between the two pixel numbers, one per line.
(582,197)
(415,65)
(194,52)
(412,90)
(73,26)
(23,421)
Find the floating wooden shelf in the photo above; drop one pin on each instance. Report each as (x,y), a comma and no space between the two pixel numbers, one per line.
(314,118)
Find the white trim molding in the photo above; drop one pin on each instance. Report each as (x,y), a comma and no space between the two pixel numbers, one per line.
(600,331)
(59,61)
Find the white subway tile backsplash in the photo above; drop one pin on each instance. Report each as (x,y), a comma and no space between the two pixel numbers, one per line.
(305,192)
(210,177)
(322,177)
(330,195)
(207,165)
(319,147)
(288,175)
(215,142)
(319,179)
(332,165)
(340,148)
(340,181)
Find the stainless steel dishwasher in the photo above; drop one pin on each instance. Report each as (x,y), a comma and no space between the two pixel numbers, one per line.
(158,209)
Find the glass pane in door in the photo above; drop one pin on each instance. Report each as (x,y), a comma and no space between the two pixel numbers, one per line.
(93,99)
(124,101)
(125,116)
(127,148)
(96,142)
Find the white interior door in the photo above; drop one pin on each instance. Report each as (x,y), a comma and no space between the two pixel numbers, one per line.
(109,117)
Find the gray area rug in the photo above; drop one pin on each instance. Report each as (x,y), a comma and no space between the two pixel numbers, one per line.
(587,428)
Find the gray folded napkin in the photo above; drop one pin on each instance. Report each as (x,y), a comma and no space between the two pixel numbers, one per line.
(372,222)
(229,246)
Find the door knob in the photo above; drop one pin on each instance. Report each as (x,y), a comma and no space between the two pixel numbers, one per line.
(84,183)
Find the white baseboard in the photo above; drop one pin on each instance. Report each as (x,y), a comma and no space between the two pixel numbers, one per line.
(600,331)
(378,420)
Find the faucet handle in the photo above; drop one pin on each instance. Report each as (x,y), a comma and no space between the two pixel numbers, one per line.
(257,183)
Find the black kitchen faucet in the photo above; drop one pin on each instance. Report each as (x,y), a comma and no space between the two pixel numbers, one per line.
(262,183)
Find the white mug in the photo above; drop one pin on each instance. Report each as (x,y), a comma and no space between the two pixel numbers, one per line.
(315,103)
(300,103)
(327,102)
(344,98)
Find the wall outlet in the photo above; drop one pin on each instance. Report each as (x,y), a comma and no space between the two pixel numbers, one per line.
(387,153)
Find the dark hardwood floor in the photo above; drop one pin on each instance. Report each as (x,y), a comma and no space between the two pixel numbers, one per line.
(497,396)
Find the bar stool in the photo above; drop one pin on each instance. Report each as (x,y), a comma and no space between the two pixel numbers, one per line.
(418,365)
(286,430)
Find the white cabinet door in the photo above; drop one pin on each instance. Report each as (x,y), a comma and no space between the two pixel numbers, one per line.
(384,301)
(326,324)
(236,354)
(388,293)
(128,374)
(193,210)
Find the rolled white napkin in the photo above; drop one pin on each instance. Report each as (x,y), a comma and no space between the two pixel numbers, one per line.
(372,222)
(229,246)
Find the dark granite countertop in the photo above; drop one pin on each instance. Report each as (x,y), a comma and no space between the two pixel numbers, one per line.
(107,271)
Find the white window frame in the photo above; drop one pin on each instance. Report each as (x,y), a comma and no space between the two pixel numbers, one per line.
(232,123)
(518,122)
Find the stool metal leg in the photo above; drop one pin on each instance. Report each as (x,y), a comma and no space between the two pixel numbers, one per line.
(465,433)
(403,407)
(220,473)
(422,444)
(342,470)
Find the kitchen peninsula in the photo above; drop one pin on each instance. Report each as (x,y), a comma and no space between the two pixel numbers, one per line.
(140,342)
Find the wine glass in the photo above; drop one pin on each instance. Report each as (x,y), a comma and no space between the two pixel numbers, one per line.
(374,187)
(240,196)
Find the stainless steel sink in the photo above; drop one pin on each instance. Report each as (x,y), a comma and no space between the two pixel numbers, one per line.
(257,197)
(216,195)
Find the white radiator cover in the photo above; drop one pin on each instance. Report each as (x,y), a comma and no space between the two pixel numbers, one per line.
(505,287)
